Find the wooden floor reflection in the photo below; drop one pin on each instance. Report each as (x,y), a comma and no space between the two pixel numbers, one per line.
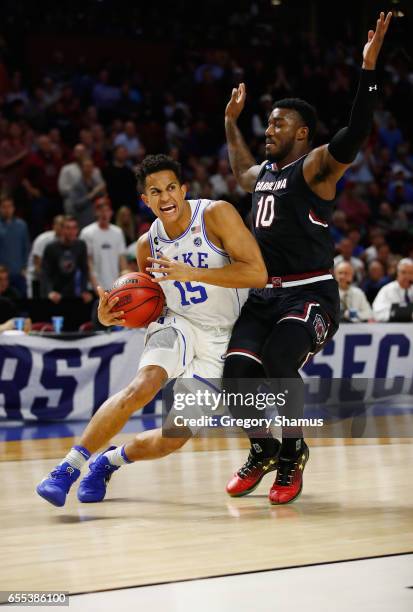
(171,519)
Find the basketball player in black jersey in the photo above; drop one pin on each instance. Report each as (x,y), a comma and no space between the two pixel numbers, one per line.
(290,320)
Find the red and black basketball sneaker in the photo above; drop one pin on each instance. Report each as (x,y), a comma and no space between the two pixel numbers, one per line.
(289,481)
(252,472)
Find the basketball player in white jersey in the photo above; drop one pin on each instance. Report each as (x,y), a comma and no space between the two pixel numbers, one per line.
(206,259)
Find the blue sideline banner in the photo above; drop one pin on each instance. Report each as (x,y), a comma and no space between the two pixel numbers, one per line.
(366,350)
(45,378)
(49,379)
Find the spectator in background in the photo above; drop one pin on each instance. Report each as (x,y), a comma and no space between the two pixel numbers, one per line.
(65,266)
(120,180)
(375,280)
(404,160)
(41,172)
(355,236)
(357,210)
(345,249)
(353,303)
(14,244)
(106,247)
(399,191)
(51,92)
(126,222)
(129,139)
(260,118)
(219,180)
(83,193)
(396,293)
(376,239)
(71,173)
(14,148)
(6,291)
(177,128)
(385,218)
(361,170)
(200,181)
(34,265)
(105,96)
(339,226)
(16,91)
(391,136)
(385,256)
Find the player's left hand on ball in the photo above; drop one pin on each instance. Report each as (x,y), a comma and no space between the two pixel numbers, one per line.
(171,270)
(105,314)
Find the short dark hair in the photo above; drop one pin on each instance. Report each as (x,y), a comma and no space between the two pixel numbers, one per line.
(70,219)
(307,113)
(157,163)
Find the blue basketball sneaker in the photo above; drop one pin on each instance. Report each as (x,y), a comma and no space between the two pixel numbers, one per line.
(92,487)
(56,486)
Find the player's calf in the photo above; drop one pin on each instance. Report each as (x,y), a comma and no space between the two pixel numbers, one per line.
(105,423)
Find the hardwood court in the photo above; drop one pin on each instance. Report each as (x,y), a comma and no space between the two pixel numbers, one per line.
(171,519)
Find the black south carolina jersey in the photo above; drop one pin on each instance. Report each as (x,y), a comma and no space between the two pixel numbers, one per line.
(291,223)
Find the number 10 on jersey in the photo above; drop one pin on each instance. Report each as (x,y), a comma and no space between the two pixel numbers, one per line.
(265,214)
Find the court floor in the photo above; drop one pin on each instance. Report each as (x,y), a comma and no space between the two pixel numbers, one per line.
(169,528)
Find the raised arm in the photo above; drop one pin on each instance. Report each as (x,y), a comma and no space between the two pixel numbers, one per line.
(325,165)
(243,164)
(225,229)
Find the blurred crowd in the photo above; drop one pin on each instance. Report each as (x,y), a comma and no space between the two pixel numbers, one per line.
(71,138)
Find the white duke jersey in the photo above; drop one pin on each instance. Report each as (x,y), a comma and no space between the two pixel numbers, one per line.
(201,304)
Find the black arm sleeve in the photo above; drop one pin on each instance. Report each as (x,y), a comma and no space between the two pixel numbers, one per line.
(345,145)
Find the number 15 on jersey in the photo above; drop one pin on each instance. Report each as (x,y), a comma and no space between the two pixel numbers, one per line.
(188,293)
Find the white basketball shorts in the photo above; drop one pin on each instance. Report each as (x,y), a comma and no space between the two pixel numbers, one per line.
(184,349)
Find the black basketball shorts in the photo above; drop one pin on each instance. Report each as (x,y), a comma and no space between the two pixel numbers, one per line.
(318,308)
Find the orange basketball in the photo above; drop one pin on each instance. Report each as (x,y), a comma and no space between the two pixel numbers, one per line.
(141,300)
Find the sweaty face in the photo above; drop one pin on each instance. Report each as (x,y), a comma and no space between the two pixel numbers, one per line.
(164,195)
(285,127)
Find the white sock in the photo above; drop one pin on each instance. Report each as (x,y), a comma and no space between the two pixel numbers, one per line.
(77,457)
(117,456)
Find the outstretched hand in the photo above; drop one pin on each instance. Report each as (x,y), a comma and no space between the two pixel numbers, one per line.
(236,104)
(375,41)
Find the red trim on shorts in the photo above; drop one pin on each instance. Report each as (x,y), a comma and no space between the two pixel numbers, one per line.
(293,277)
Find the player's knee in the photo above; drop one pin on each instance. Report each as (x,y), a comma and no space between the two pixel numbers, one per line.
(239,366)
(279,360)
(143,388)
